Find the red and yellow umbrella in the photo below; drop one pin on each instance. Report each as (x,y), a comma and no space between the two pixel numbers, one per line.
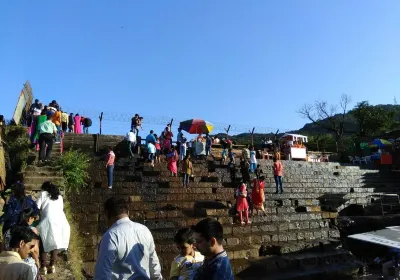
(196,126)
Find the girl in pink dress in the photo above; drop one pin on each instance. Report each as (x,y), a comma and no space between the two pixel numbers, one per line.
(172,159)
(242,204)
(78,127)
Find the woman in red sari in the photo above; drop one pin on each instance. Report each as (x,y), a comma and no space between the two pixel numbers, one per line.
(258,196)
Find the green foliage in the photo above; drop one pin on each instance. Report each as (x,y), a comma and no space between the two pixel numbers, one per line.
(373,120)
(17,146)
(74,165)
(327,143)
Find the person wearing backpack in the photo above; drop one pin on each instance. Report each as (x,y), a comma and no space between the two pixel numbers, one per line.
(87,122)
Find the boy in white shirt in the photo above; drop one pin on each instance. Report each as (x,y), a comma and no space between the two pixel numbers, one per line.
(131,140)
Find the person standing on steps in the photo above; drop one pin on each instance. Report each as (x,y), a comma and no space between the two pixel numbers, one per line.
(71,123)
(47,131)
(77,124)
(209,237)
(253,160)
(278,172)
(187,170)
(56,118)
(110,166)
(87,122)
(246,153)
(131,140)
(64,121)
(150,138)
(179,140)
(127,249)
(23,241)
(53,228)
(209,142)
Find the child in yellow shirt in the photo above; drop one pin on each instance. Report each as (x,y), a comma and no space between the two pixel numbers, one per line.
(184,266)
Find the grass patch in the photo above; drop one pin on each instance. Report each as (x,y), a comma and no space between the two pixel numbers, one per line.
(74,165)
(75,252)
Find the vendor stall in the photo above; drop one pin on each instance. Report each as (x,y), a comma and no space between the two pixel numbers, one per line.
(294,146)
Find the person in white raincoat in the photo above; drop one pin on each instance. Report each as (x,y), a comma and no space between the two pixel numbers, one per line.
(53,228)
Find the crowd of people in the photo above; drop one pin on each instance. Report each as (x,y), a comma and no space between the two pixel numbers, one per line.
(48,123)
(249,194)
(32,230)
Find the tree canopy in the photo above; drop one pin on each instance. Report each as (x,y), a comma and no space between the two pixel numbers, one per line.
(372,120)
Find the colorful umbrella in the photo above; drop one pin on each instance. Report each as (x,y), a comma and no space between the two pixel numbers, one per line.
(380,143)
(196,126)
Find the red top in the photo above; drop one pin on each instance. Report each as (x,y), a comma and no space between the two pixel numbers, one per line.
(278,168)
(168,135)
(111,158)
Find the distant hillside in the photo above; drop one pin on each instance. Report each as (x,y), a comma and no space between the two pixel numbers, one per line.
(351,126)
(308,129)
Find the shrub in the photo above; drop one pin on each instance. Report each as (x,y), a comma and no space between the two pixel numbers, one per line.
(74,165)
(17,146)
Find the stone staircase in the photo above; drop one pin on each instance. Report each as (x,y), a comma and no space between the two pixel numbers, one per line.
(35,175)
(302,219)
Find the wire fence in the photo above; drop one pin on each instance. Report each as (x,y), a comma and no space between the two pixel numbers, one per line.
(119,123)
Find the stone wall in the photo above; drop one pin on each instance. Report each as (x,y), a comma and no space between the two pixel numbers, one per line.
(302,217)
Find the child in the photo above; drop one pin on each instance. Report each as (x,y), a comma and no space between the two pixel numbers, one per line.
(158,148)
(184,266)
(242,204)
(258,171)
(151,150)
(224,156)
(182,149)
(258,197)
(231,156)
(187,169)
(244,169)
(253,160)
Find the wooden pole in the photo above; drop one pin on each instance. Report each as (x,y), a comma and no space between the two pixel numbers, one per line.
(252,135)
(101,120)
(227,132)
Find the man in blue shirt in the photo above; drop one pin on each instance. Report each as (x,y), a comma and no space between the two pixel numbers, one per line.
(150,138)
(209,237)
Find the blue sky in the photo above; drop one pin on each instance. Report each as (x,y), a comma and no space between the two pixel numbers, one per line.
(247,63)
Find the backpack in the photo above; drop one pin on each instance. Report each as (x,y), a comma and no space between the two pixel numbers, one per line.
(88,122)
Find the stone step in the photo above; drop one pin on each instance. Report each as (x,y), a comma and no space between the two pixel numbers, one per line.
(42,168)
(36,180)
(266,243)
(38,186)
(43,173)
(257,227)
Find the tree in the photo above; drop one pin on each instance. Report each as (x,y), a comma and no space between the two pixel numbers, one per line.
(330,117)
(372,120)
